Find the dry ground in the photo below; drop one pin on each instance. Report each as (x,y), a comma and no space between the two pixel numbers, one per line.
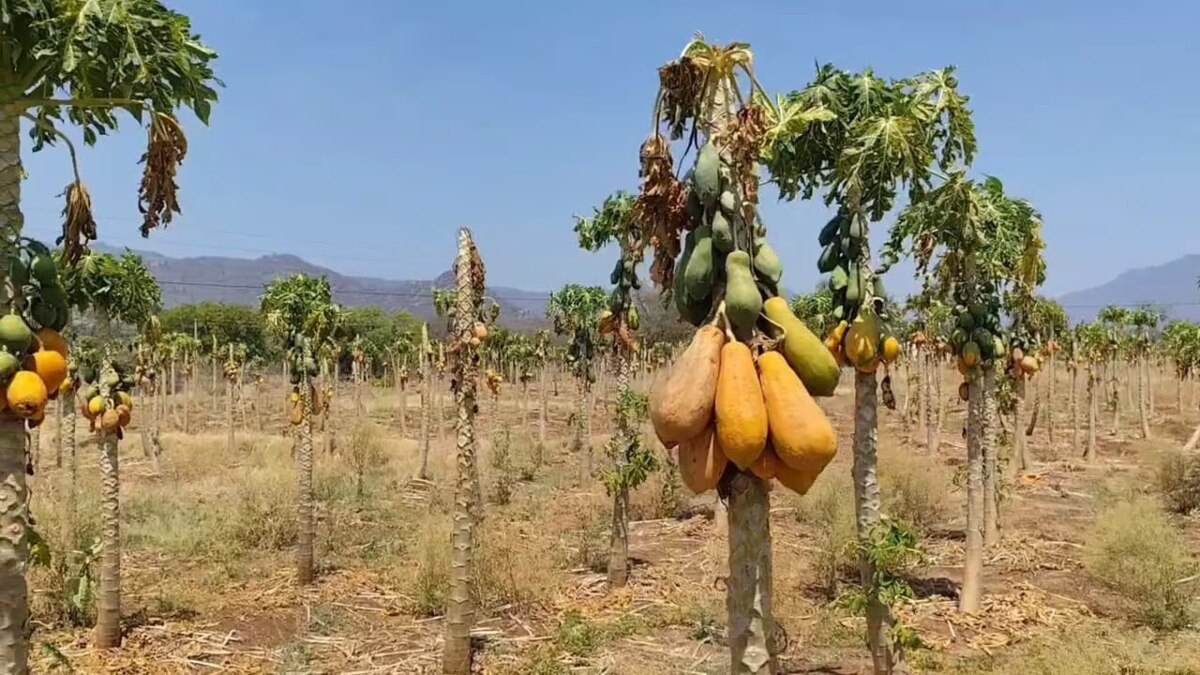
(209,584)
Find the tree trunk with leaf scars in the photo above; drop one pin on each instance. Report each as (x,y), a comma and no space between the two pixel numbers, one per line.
(1073,402)
(1089,452)
(543,385)
(972,587)
(108,602)
(1142,386)
(460,606)
(1019,461)
(618,557)
(305,522)
(991,497)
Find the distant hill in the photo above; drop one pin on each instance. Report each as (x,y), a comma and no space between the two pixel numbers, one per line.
(240,281)
(1172,286)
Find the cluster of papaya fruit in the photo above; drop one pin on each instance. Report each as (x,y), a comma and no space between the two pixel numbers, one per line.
(107,401)
(494,380)
(320,402)
(863,343)
(842,240)
(35,286)
(726,248)
(742,392)
(975,339)
(33,367)
(302,367)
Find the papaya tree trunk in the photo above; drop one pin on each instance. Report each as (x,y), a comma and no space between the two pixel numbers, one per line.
(1089,452)
(1051,387)
(923,419)
(426,432)
(188,365)
(1116,394)
(460,605)
(885,657)
(14,494)
(751,623)
(72,489)
(542,412)
(1074,403)
(991,497)
(1179,394)
(618,556)
(305,523)
(1143,384)
(972,587)
(1020,461)
(60,407)
(108,602)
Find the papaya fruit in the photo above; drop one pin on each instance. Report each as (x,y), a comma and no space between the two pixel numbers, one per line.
(961,364)
(18,272)
(701,461)
(970,353)
(997,347)
(42,313)
(698,275)
(26,394)
(8,365)
(891,349)
(722,233)
(728,202)
(858,229)
(1030,365)
(15,335)
(766,466)
(799,431)
(799,481)
(854,285)
(830,231)
(813,362)
(966,322)
(958,337)
(862,340)
(42,268)
(50,366)
(839,279)
(692,310)
(296,413)
(986,341)
(707,175)
(743,303)
(123,398)
(681,402)
(829,259)
(110,421)
(695,209)
(741,410)
(766,262)
(52,340)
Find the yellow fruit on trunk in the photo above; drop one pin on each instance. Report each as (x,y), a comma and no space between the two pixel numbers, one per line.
(766,466)
(123,398)
(891,349)
(741,411)
(110,421)
(681,403)
(1030,365)
(26,394)
(49,365)
(53,341)
(95,407)
(701,461)
(862,340)
(800,432)
(817,367)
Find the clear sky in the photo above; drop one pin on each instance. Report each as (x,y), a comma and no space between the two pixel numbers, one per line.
(359,134)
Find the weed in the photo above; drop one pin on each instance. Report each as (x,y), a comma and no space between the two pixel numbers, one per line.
(1179,481)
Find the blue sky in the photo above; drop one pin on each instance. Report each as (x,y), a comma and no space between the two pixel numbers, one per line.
(362,139)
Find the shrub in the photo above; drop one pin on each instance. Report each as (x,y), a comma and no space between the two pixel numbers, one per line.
(827,513)
(1134,550)
(1179,481)
(914,491)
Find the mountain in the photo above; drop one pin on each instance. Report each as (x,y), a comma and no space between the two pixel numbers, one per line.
(240,281)
(1171,286)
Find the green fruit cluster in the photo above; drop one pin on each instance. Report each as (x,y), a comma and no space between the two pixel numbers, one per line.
(301,363)
(842,240)
(976,337)
(34,286)
(120,378)
(624,280)
(726,246)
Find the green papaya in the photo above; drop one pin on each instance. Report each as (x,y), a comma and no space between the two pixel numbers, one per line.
(15,335)
(722,233)
(958,337)
(91,392)
(830,231)
(43,269)
(87,372)
(854,285)
(766,261)
(998,349)
(698,274)
(743,303)
(43,313)
(695,209)
(986,342)
(979,312)
(707,175)
(728,202)
(18,273)
(614,277)
(838,279)
(877,289)
(633,318)
(966,322)
(830,257)
(857,231)
(9,365)
(804,351)
(839,311)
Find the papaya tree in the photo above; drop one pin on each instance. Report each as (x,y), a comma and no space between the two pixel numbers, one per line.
(740,382)
(632,461)
(1045,322)
(1180,343)
(401,350)
(1116,321)
(300,309)
(425,370)
(117,290)
(1143,323)
(877,137)
(976,243)
(1094,347)
(72,58)
(575,313)
(469,329)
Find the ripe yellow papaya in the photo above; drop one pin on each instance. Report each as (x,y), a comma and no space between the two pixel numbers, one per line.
(891,349)
(862,340)
(766,466)
(681,403)
(49,365)
(1030,365)
(741,411)
(110,420)
(796,480)
(701,461)
(804,351)
(26,394)
(800,432)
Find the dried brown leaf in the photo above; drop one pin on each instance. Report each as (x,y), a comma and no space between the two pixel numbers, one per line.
(79,222)
(158,195)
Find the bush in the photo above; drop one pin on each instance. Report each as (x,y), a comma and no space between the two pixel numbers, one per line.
(431,583)
(914,491)
(1179,481)
(1134,550)
(364,454)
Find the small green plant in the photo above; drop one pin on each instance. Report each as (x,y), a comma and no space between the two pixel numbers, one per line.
(893,549)
(576,635)
(502,466)
(1134,550)
(669,501)
(632,460)
(73,582)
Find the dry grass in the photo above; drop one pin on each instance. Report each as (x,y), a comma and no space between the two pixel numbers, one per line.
(208,560)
